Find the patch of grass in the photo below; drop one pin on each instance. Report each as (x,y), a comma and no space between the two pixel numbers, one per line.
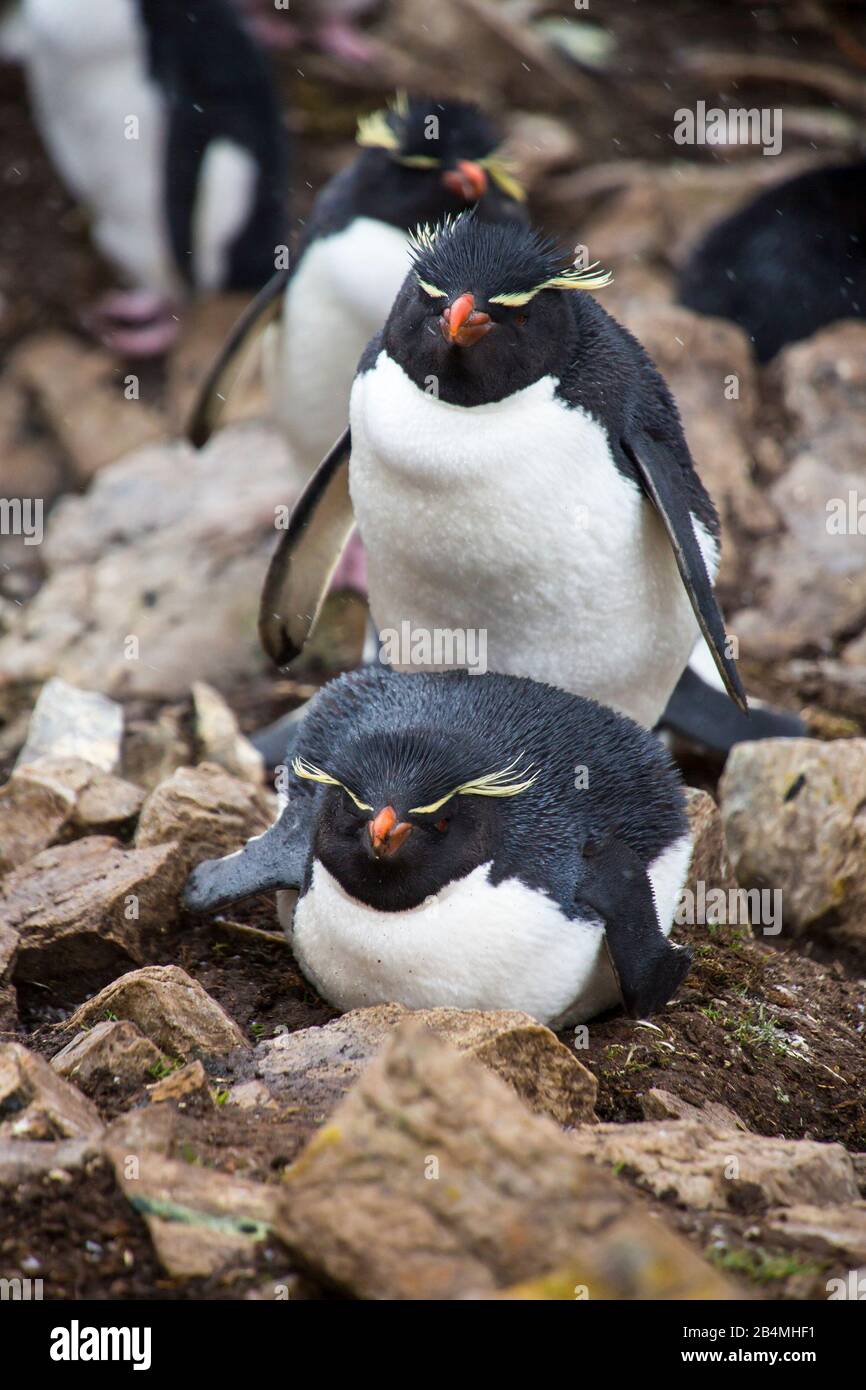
(756,1029)
(160,1069)
(757,1265)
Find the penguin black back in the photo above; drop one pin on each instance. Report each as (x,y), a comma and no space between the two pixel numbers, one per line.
(788,263)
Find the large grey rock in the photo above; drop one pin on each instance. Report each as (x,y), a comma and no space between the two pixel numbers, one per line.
(112,611)
(85,909)
(68,722)
(170,1008)
(432,1180)
(219,738)
(315,1067)
(794,812)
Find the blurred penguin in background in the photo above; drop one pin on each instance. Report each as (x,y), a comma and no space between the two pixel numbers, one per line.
(789,262)
(162,119)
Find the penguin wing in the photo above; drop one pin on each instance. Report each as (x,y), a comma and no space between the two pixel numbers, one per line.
(276,859)
(647,966)
(226,367)
(305,559)
(658,470)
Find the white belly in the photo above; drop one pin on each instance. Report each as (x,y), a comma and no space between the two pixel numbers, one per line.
(87,71)
(472,946)
(337,299)
(545,546)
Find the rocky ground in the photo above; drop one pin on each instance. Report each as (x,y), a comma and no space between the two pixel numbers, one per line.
(180,1116)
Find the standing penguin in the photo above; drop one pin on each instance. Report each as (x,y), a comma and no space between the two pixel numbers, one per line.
(162,119)
(447,853)
(541,490)
(420,159)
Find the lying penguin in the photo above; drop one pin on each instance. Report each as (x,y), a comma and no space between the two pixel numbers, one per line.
(540,490)
(789,262)
(162,119)
(420,159)
(473,841)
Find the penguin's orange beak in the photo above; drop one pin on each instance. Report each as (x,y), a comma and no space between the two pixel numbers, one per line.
(467,180)
(462,324)
(386,833)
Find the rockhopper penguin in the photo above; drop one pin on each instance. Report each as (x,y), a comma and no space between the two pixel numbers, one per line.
(483,842)
(161,117)
(420,159)
(518,467)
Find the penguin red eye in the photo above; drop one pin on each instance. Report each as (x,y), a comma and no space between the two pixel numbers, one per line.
(520,320)
(442,825)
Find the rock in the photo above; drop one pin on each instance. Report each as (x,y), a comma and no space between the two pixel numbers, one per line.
(433,1180)
(537,143)
(83,911)
(315,1067)
(111,1051)
(111,611)
(811,580)
(80,392)
(22,1160)
(205,811)
(185,1086)
(709,367)
(36,1104)
(219,738)
(708,1165)
(793,811)
(201,1222)
(53,799)
(657,1104)
(835,1232)
(154,749)
(170,1008)
(823,382)
(9,940)
(71,723)
(711,862)
(251,1095)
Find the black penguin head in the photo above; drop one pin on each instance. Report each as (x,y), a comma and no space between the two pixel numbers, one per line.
(426,159)
(486,309)
(404,814)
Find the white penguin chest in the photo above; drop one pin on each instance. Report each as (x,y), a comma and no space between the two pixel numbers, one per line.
(513,519)
(472,946)
(337,299)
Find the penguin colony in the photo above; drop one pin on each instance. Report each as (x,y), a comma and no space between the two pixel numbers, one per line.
(515,464)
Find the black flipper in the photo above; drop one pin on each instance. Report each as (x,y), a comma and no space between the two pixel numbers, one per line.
(226,367)
(648,967)
(306,557)
(658,471)
(275,859)
(705,716)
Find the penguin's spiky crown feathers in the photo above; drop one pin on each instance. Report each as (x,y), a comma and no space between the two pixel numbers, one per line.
(423,133)
(505,262)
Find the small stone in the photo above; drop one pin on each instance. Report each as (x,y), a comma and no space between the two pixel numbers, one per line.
(711,862)
(837,1232)
(52,799)
(170,1008)
(71,723)
(315,1067)
(188,1084)
(22,1160)
(220,739)
(36,1104)
(113,1051)
(206,812)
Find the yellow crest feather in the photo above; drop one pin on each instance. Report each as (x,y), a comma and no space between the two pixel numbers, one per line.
(302,768)
(491,784)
